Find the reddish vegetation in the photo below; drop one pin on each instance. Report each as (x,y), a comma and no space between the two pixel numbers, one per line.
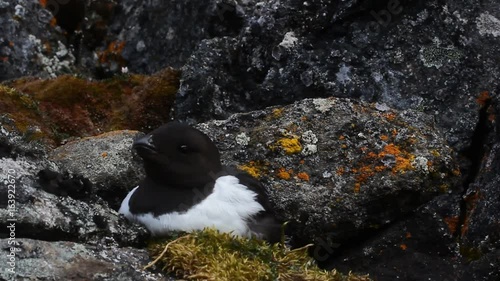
(72,107)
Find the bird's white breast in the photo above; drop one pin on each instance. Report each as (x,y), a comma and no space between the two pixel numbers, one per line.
(227,208)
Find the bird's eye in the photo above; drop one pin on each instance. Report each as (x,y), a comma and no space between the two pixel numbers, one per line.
(184,148)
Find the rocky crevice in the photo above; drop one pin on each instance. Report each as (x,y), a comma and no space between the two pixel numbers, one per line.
(475,156)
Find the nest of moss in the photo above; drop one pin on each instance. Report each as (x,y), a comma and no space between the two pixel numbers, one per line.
(210,255)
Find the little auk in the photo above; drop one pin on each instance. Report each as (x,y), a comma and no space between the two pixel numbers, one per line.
(186,188)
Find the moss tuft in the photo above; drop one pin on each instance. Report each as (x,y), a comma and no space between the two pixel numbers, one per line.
(210,255)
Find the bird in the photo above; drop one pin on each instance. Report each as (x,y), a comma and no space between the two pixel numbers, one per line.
(186,188)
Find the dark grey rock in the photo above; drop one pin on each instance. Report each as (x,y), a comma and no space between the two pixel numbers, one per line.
(29,45)
(434,56)
(421,246)
(41,260)
(158,34)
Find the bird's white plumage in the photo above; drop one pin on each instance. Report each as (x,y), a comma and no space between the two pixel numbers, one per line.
(228,208)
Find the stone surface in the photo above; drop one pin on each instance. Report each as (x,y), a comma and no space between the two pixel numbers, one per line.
(106,160)
(41,215)
(434,56)
(29,42)
(41,260)
(337,168)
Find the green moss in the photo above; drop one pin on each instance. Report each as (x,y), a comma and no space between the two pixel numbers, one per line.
(210,255)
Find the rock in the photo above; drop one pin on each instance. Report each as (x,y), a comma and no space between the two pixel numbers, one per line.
(400,55)
(421,246)
(106,160)
(40,215)
(30,43)
(337,168)
(41,260)
(150,35)
(480,232)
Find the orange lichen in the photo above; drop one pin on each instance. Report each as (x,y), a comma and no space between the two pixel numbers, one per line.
(341,137)
(403,159)
(357,187)
(471,204)
(303,176)
(403,247)
(452,223)
(389,116)
(53,22)
(284,174)
(290,145)
(408,235)
(484,98)
(112,53)
(340,171)
(384,137)
(364,173)
(104,154)
(43,3)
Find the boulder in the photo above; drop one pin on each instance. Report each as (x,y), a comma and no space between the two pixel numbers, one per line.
(106,161)
(41,260)
(339,169)
(437,57)
(70,212)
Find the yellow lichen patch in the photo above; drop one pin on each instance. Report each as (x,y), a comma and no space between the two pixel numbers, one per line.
(303,176)
(210,255)
(290,145)
(357,187)
(253,168)
(277,112)
(284,174)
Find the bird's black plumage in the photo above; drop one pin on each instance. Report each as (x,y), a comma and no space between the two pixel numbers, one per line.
(182,167)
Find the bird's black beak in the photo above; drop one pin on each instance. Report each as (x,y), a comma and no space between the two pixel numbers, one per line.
(144,145)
